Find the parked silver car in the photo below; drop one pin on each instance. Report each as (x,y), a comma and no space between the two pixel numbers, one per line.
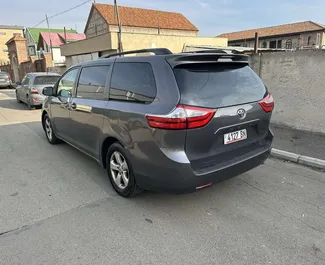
(31,87)
(5,80)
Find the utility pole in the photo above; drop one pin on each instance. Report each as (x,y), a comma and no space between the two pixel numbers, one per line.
(119,36)
(256,42)
(48,27)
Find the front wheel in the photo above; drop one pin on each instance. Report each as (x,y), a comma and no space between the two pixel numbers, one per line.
(50,135)
(120,172)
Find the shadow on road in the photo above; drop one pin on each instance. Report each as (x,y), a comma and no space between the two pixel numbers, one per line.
(13,104)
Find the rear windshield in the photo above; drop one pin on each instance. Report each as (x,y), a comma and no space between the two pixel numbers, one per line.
(46,80)
(218,85)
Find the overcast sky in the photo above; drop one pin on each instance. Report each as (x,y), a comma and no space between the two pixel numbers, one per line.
(212,17)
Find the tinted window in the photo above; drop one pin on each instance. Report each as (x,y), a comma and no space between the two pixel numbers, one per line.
(133,82)
(92,82)
(25,81)
(46,80)
(67,82)
(218,85)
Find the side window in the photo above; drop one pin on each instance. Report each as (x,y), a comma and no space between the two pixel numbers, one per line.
(92,82)
(26,81)
(133,82)
(66,83)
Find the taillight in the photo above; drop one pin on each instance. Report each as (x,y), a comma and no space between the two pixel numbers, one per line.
(34,91)
(182,117)
(267,103)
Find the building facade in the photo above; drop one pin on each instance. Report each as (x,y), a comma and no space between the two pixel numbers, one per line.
(102,20)
(32,37)
(300,35)
(6,33)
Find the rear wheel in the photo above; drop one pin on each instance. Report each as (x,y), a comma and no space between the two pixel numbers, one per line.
(29,104)
(120,172)
(49,132)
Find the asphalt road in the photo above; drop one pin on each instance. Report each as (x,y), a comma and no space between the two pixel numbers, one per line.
(57,207)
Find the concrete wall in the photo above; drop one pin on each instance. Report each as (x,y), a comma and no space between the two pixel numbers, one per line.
(132,41)
(298,41)
(156,31)
(57,57)
(297,82)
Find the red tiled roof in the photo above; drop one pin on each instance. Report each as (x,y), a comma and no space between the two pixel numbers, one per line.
(73,36)
(147,18)
(57,39)
(274,31)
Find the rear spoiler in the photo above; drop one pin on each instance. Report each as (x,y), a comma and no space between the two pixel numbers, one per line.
(191,58)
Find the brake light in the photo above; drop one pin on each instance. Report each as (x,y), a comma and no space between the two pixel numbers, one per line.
(182,117)
(34,91)
(267,103)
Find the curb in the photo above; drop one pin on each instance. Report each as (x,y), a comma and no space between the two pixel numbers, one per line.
(299,159)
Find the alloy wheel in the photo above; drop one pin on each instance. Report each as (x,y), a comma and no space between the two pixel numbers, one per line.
(119,170)
(48,128)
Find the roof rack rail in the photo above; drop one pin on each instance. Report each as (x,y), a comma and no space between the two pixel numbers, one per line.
(156,51)
(208,51)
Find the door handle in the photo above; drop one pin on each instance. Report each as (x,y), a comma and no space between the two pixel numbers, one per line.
(73,106)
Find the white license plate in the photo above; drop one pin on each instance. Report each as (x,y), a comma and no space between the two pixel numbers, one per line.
(235,136)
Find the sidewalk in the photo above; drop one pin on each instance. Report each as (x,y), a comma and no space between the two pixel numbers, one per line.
(299,142)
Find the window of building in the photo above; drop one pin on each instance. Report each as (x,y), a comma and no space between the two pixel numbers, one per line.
(289,44)
(133,82)
(3,33)
(273,44)
(264,44)
(308,41)
(279,44)
(92,82)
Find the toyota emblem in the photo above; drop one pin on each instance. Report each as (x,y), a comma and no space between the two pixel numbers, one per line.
(241,113)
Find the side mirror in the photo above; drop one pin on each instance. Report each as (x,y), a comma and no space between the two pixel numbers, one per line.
(47,91)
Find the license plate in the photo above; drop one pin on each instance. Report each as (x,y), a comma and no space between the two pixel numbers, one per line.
(235,136)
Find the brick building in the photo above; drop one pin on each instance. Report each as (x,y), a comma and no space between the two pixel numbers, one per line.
(300,35)
(102,20)
(6,33)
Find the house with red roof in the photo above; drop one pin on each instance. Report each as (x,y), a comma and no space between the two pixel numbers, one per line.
(52,41)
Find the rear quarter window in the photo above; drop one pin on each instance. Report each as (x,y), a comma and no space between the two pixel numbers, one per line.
(133,82)
(218,85)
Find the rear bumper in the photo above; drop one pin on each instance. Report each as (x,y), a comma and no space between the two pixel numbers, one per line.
(180,178)
(37,100)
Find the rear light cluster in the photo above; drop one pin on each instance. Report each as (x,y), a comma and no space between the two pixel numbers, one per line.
(34,91)
(267,103)
(182,117)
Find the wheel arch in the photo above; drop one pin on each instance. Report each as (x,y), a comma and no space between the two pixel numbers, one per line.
(108,141)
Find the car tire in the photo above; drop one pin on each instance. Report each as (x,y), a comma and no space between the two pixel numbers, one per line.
(49,132)
(120,171)
(17,98)
(29,105)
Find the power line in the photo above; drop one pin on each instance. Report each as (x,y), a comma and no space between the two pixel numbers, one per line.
(63,12)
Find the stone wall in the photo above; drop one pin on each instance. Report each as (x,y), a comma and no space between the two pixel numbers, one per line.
(296,80)
(97,25)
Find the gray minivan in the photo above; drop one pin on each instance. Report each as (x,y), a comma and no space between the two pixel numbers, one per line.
(167,122)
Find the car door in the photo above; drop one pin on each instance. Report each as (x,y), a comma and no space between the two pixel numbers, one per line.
(25,87)
(87,107)
(60,104)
